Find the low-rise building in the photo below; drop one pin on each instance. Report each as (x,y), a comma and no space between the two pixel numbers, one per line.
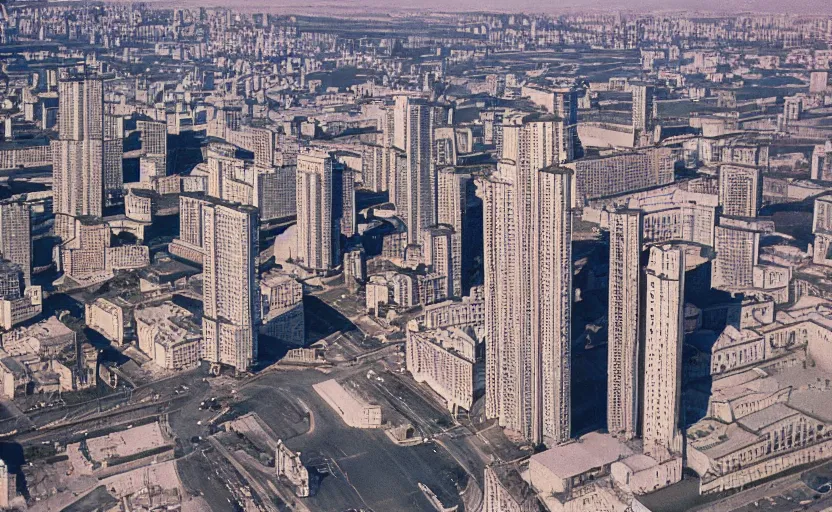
(168,335)
(18,310)
(109,317)
(283,316)
(444,359)
(288,464)
(468,312)
(353,410)
(16,304)
(376,294)
(46,338)
(90,251)
(14,377)
(506,491)
(762,421)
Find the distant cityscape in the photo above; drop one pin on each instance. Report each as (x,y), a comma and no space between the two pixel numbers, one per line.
(253,260)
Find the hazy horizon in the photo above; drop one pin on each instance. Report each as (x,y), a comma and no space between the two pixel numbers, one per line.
(324,7)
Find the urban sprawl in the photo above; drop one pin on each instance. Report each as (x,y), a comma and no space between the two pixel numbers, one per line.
(414,261)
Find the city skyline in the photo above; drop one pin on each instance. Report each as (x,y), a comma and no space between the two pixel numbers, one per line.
(473,257)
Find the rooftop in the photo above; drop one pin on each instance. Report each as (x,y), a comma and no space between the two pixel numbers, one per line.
(591,451)
(757,421)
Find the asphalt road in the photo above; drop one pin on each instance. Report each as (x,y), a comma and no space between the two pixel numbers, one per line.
(367,469)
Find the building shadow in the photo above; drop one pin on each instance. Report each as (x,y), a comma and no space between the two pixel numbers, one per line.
(271,350)
(713,311)
(322,320)
(14,457)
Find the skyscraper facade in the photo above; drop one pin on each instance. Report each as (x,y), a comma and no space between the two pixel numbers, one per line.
(441,251)
(552,304)
(15,236)
(154,135)
(454,194)
(663,337)
(112,179)
(527,241)
(528,287)
(318,233)
(740,190)
(78,154)
(507,359)
(80,107)
(642,107)
(419,183)
(77,182)
(623,322)
(231,287)
(737,249)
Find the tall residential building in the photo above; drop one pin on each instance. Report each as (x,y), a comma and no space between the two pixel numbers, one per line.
(275,192)
(610,175)
(623,323)
(528,287)
(77,182)
(80,107)
(190,245)
(737,246)
(260,141)
(663,338)
(78,154)
(445,146)
(373,169)
(344,202)
(269,188)
(318,227)
(456,203)
(740,190)
(15,236)
(418,208)
(642,107)
(154,137)
(112,170)
(535,140)
(453,196)
(395,161)
(563,103)
(552,303)
(507,358)
(231,288)
(441,251)
(533,385)
(397,124)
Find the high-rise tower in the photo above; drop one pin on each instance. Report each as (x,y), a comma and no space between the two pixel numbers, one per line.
(419,184)
(528,287)
(318,228)
(78,154)
(623,322)
(231,287)
(663,337)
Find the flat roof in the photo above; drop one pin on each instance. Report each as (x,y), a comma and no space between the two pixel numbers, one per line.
(591,451)
(336,392)
(723,441)
(639,462)
(758,420)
